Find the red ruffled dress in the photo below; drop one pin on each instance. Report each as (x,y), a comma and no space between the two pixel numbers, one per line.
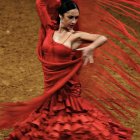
(66,115)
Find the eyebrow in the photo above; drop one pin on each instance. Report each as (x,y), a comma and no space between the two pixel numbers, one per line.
(73,15)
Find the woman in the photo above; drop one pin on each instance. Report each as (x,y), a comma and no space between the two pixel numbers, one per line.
(61,113)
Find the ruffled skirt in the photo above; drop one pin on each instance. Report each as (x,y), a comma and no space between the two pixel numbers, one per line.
(68,117)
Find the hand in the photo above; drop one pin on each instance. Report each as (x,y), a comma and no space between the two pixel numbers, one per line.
(87,54)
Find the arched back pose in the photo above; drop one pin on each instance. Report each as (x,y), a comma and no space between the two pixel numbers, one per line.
(61,113)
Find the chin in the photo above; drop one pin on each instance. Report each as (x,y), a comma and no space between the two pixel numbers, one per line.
(70,28)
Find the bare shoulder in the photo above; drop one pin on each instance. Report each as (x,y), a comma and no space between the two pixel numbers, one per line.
(86,36)
(79,33)
(80,37)
(75,35)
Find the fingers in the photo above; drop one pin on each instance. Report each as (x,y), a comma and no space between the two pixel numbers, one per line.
(91,60)
(79,49)
(85,61)
(87,55)
(88,59)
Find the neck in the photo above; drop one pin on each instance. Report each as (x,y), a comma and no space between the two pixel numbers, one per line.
(62,29)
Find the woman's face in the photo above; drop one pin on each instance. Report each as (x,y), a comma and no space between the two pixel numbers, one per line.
(70,18)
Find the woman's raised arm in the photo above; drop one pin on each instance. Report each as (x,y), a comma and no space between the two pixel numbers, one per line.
(41,6)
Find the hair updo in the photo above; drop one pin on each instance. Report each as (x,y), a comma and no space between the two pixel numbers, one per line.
(67,5)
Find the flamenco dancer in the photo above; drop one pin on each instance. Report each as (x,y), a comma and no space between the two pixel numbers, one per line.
(61,113)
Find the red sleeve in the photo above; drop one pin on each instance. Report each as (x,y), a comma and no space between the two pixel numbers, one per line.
(41,6)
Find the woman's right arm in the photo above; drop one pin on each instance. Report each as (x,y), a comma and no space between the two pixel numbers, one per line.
(41,6)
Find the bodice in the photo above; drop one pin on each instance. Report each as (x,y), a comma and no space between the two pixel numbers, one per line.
(55,52)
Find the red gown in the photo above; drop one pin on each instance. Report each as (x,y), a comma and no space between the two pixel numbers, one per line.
(63,113)
(66,115)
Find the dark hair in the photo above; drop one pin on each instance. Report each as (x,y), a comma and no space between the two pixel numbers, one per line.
(67,5)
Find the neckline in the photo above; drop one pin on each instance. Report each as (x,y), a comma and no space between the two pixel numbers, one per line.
(67,47)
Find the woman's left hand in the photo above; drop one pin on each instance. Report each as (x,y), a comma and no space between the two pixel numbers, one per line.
(87,54)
